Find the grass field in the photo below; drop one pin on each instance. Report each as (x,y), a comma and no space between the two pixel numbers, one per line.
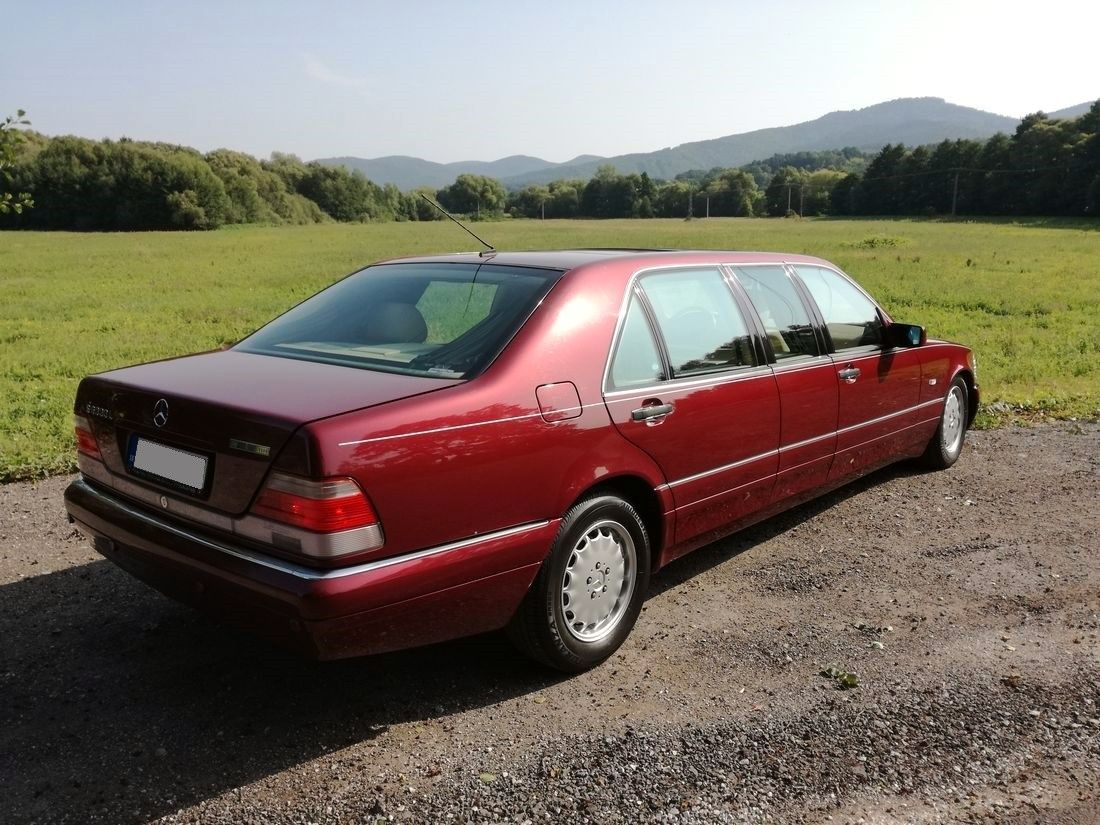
(1025,296)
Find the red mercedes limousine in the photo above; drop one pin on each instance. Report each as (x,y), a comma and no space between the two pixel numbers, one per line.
(439,446)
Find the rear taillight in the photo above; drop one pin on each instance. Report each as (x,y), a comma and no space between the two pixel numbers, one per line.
(328,506)
(324,519)
(85,438)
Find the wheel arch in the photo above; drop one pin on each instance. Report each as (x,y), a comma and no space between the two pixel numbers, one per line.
(971,394)
(636,491)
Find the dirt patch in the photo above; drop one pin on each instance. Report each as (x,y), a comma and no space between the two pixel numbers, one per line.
(967,603)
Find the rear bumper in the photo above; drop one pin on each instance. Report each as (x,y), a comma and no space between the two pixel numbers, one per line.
(440,593)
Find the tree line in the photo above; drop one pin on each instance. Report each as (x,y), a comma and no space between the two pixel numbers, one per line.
(82,184)
(1047,167)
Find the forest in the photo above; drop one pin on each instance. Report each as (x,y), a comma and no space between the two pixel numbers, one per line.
(1046,167)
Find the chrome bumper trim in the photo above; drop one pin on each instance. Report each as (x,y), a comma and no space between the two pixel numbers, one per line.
(297,570)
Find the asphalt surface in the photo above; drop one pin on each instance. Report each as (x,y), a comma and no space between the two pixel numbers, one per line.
(966,602)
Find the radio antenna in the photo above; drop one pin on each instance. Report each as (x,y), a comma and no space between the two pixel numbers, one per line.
(489,247)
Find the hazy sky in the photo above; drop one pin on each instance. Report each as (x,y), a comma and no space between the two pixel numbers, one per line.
(479,80)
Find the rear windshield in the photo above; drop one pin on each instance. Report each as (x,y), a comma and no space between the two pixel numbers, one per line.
(432,319)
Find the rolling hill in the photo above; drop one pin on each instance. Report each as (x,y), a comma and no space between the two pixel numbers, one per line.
(1071,111)
(912,121)
(408,173)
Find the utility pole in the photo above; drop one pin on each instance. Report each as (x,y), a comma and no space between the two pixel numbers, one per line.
(544,210)
(800,200)
(691,203)
(788,199)
(955,193)
(708,206)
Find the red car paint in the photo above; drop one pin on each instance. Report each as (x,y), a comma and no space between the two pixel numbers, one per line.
(471,478)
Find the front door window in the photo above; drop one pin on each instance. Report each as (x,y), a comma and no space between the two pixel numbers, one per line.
(850,316)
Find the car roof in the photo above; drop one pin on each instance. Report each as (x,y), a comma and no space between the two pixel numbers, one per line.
(567,259)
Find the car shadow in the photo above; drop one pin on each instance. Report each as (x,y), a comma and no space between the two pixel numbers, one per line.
(123,706)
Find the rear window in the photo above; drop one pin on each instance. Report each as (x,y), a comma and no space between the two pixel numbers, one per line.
(436,319)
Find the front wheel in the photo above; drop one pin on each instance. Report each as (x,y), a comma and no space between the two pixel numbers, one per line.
(589,591)
(946,445)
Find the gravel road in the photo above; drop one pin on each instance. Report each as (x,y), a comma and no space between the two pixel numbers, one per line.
(967,602)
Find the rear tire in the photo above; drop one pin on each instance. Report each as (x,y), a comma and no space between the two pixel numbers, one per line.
(589,591)
(946,445)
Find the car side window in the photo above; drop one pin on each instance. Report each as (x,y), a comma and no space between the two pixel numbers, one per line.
(786,321)
(851,317)
(700,322)
(636,361)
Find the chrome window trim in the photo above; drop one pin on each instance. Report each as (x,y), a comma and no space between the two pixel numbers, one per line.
(828,360)
(300,571)
(803,362)
(858,353)
(874,352)
(728,376)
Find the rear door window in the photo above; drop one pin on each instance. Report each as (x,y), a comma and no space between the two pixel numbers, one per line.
(699,320)
(777,302)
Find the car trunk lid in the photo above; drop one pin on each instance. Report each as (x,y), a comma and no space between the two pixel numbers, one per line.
(209,426)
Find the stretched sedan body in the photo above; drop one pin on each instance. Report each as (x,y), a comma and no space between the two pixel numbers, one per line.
(436,447)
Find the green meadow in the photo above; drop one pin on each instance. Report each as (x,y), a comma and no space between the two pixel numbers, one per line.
(1024,295)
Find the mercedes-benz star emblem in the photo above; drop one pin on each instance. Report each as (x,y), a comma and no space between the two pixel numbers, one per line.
(160,413)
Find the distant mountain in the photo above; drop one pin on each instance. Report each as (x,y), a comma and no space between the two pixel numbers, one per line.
(912,121)
(1072,111)
(408,172)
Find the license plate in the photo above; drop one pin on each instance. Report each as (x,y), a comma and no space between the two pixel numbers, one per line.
(169,463)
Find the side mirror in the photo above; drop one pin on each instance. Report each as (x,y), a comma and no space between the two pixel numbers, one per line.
(905,335)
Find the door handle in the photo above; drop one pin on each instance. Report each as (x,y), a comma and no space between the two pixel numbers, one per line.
(651,411)
(849,374)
